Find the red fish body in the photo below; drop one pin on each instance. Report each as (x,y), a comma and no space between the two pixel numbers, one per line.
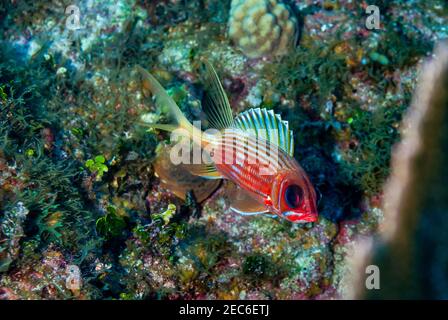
(254,151)
(261,169)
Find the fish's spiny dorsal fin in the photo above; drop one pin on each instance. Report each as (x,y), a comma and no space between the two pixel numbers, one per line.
(215,103)
(267,125)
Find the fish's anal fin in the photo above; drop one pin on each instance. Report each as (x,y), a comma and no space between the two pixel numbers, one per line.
(178,179)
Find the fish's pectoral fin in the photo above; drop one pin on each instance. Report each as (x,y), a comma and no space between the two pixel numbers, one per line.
(204,170)
(215,103)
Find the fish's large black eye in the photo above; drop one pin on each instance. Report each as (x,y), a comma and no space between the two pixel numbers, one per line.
(293,196)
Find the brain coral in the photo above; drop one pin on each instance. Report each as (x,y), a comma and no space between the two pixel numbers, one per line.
(262,27)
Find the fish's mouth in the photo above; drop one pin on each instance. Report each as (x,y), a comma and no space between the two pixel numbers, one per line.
(300,218)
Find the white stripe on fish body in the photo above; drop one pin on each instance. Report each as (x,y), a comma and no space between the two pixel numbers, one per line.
(241,148)
(264,151)
(249,161)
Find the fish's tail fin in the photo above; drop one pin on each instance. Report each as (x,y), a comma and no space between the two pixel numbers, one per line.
(166,104)
(179,121)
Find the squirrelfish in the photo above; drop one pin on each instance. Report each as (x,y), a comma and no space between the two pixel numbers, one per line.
(254,150)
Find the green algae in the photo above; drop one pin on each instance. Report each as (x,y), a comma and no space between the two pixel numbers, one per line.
(50,185)
(259,267)
(376,132)
(111,224)
(97,166)
(313,70)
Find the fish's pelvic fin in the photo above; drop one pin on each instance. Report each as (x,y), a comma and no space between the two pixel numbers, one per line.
(215,103)
(271,215)
(242,202)
(248,213)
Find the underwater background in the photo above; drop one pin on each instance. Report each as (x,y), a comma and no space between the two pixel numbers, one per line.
(84,213)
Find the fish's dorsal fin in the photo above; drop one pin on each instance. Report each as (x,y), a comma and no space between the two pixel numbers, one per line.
(267,125)
(215,103)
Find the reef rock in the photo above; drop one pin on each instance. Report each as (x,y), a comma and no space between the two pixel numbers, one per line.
(262,27)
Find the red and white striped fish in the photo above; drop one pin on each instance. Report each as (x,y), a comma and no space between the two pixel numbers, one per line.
(254,151)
